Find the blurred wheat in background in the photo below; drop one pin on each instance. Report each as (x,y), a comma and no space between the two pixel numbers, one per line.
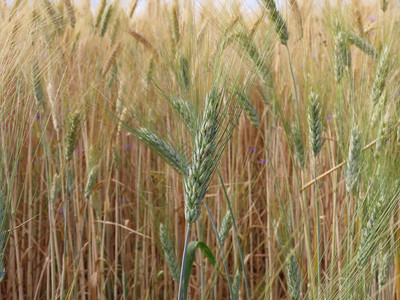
(179,150)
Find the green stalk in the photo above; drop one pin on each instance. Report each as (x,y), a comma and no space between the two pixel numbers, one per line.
(317,229)
(184,261)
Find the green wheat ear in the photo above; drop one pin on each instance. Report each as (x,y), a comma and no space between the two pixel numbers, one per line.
(72,135)
(37,85)
(277,20)
(248,107)
(162,148)
(353,162)
(362,44)
(169,252)
(91,180)
(381,76)
(342,55)
(298,145)
(314,122)
(225,227)
(237,282)
(200,171)
(294,276)
(106,20)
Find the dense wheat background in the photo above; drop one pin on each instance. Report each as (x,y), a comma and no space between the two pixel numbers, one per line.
(82,198)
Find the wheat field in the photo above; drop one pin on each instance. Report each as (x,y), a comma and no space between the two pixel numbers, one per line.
(199,150)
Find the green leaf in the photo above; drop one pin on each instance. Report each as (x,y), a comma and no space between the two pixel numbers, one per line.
(190,255)
(207,252)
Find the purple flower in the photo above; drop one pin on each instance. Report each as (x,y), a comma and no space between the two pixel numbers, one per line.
(262,161)
(372,18)
(39,116)
(314,54)
(128,147)
(372,32)
(43,55)
(80,150)
(252,149)
(60,211)
(120,199)
(329,117)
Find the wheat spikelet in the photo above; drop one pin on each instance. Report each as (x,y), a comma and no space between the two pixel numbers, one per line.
(55,188)
(116,157)
(54,109)
(381,75)
(113,75)
(141,39)
(358,17)
(353,162)
(174,23)
(264,95)
(71,12)
(248,107)
(149,73)
(383,5)
(384,261)
(314,122)
(133,8)
(276,18)
(185,111)
(199,175)
(99,15)
(122,117)
(256,25)
(115,31)
(237,282)
(261,66)
(37,85)
(106,20)
(169,252)
(14,34)
(71,138)
(91,180)
(162,148)
(54,16)
(298,145)
(225,227)
(185,74)
(342,55)
(368,242)
(378,108)
(297,17)
(385,127)
(362,44)
(111,59)
(293,277)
